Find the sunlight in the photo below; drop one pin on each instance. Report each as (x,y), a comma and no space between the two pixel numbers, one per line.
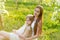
(2,7)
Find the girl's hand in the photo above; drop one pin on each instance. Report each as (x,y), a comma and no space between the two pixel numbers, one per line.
(14,31)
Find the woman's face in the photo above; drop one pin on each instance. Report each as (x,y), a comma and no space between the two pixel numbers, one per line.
(36,12)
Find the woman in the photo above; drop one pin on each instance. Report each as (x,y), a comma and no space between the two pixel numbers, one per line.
(37,23)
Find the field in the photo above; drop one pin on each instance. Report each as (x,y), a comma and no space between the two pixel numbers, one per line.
(17,13)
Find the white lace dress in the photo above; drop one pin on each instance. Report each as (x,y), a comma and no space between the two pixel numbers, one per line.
(20,31)
(14,36)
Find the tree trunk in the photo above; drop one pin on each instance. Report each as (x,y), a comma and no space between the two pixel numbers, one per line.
(40,2)
(16,4)
(1,22)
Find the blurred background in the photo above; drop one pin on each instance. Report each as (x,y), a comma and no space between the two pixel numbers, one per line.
(13,13)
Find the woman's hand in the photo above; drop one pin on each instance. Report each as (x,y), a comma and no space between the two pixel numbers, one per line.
(23,38)
(28,39)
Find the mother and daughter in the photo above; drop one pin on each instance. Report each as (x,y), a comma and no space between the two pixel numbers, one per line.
(31,30)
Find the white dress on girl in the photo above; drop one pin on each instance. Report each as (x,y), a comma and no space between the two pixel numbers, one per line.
(21,30)
(14,36)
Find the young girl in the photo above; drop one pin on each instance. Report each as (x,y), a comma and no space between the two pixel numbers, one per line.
(26,32)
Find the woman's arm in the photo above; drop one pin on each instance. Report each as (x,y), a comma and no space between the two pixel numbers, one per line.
(39,31)
(35,36)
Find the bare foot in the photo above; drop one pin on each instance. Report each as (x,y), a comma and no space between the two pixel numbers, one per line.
(1,37)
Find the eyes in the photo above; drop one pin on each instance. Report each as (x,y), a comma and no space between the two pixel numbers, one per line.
(37,11)
(27,19)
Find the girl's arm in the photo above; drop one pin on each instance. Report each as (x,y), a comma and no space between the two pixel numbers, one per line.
(20,31)
(21,36)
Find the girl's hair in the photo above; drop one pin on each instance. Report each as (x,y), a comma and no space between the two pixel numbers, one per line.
(38,20)
(30,17)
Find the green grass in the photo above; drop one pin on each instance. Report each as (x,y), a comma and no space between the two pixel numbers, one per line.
(16,19)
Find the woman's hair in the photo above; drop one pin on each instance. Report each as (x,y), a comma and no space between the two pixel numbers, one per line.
(30,17)
(38,20)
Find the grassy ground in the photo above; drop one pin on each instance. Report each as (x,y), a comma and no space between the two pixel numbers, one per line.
(16,19)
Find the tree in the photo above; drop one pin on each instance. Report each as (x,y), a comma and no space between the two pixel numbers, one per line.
(2,11)
(16,4)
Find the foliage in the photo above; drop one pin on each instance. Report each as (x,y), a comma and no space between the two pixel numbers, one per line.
(16,18)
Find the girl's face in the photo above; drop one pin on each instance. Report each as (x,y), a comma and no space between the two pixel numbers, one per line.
(28,21)
(37,12)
